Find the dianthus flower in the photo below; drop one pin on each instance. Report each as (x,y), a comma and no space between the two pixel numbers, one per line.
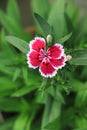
(48,61)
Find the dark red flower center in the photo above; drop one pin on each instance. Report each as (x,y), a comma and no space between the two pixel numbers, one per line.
(43,54)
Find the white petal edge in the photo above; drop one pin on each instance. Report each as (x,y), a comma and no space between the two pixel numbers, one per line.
(60,67)
(48,75)
(29,63)
(61,47)
(36,38)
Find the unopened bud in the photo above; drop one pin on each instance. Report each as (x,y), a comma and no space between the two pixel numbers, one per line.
(68,57)
(49,39)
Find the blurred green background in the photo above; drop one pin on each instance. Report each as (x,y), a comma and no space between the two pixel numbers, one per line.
(25,9)
(24,104)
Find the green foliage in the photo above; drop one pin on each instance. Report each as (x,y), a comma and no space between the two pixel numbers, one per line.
(11,26)
(65,38)
(45,26)
(11,21)
(8,125)
(56,19)
(21,104)
(37,6)
(29,101)
(51,113)
(18,43)
(8,86)
(13,11)
(79,57)
(23,120)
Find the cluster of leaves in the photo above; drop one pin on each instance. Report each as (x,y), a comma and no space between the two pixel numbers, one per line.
(27,100)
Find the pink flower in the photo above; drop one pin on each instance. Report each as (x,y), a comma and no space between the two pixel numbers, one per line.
(48,61)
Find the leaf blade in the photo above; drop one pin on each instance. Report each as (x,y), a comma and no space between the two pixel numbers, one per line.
(13,11)
(65,38)
(18,43)
(44,25)
(79,57)
(56,19)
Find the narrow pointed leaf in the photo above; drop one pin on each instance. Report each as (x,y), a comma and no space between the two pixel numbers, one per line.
(44,25)
(79,57)
(7,124)
(18,43)
(13,27)
(56,18)
(13,104)
(7,49)
(37,6)
(7,86)
(22,119)
(16,74)
(51,112)
(65,38)
(13,11)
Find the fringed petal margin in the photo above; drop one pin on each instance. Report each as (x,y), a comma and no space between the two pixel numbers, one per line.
(58,63)
(56,51)
(47,70)
(37,44)
(33,60)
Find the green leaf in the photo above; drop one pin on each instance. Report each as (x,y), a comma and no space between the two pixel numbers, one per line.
(37,6)
(55,94)
(5,46)
(81,96)
(23,120)
(41,97)
(37,125)
(79,57)
(79,129)
(52,112)
(69,23)
(35,82)
(12,27)
(73,14)
(56,18)
(16,74)
(23,91)
(80,123)
(44,25)
(8,54)
(13,11)
(69,8)
(53,125)
(65,38)
(8,23)
(25,74)
(18,43)
(32,83)
(67,117)
(77,85)
(84,73)
(7,86)
(6,69)
(8,124)
(13,104)
(82,24)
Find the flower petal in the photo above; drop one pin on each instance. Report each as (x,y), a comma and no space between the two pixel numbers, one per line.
(58,63)
(56,51)
(33,59)
(47,70)
(37,44)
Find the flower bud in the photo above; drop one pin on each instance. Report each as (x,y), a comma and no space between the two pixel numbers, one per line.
(68,57)
(49,39)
